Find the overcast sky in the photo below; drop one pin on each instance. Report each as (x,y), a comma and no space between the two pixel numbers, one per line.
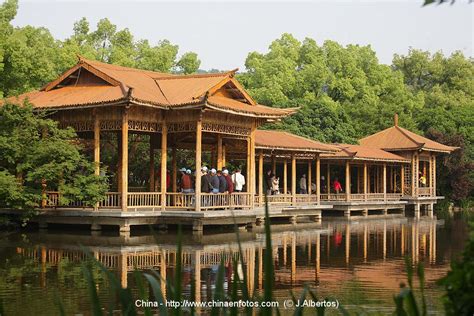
(224,32)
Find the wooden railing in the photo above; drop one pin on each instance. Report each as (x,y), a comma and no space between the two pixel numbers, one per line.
(180,200)
(357,197)
(111,200)
(277,199)
(306,199)
(425,192)
(137,200)
(375,197)
(143,199)
(333,197)
(225,200)
(394,196)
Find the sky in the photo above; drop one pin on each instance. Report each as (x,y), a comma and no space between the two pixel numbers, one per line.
(222,33)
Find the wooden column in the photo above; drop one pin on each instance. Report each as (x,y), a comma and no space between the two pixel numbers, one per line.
(328,179)
(252,164)
(96,145)
(430,174)
(219,152)
(309,177)
(164,159)
(260,177)
(318,179)
(174,173)
(402,179)
(273,164)
(285,176)
(124,161)
(223,156)
(384,181)
(152,164)
(293,178)
(365,181)
(413,176)
(434,176)
(348,181)
(119,162)
(198,164)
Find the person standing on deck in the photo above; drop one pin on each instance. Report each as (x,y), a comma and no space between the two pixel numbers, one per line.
(422,180)
(230,185)
(222,182)
(275,185)
(205,181)
(214,181)
(303,185)
(268,182)
(238,180)
(186,181)
(337,186)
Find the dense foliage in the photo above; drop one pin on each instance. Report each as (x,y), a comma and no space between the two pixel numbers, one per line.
(37,156)
(343,92)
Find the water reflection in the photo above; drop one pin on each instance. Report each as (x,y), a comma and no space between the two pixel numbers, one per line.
(356,262)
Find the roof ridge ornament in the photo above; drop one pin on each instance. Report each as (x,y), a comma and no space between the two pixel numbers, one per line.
(232,72)
(395,119)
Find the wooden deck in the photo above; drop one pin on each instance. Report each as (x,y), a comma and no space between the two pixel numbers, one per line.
(147,208)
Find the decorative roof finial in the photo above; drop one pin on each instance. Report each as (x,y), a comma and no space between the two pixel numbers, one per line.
(395,119)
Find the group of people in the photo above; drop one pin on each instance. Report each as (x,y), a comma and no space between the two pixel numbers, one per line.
(272,184)
(212,181)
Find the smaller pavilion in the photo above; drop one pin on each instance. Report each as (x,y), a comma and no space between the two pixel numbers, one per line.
(418,181)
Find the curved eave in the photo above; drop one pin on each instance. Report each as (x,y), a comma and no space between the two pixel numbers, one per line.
(219,108)
(364,159)
(440,150)
(116,102)
(273,148)
(422,148)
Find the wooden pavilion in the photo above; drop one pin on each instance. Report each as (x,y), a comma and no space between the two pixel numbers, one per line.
(418,179)
(212,115)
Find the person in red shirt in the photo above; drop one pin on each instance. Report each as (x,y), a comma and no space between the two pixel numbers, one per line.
(337,186)
(186,181)
(230,184)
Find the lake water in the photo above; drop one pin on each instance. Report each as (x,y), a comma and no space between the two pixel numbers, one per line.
(359,263)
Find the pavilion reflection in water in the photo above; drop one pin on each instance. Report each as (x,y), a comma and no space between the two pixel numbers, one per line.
(300,256)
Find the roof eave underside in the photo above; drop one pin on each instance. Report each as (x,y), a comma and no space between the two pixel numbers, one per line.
(364,159)
(289,149)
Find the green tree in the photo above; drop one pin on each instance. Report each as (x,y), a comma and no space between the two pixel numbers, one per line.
(157,58)
(34,152)
(7,12)
(188,63)
(446,86)
(28,61)
(344,92)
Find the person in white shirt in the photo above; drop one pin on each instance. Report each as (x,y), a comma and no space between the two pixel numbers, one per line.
(303,189)
(239,180)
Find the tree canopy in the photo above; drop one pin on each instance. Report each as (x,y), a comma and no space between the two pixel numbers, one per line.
(344,94)
(37,155)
